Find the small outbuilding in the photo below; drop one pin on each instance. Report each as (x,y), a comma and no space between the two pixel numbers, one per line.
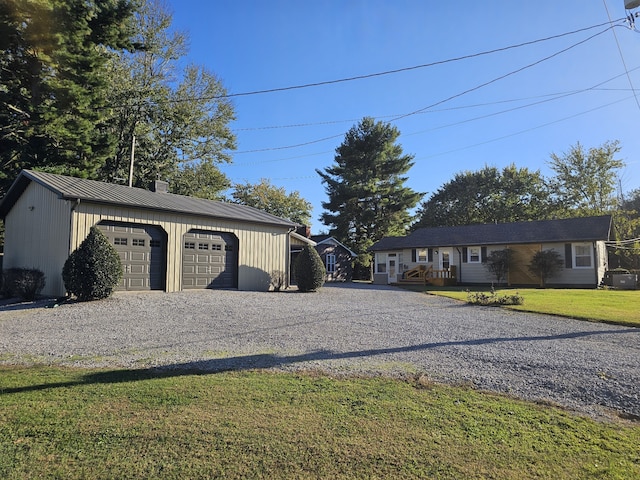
(165,241)
(337,258)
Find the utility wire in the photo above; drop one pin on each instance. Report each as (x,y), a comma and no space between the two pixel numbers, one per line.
(622,56)
(415,67)
(421,110)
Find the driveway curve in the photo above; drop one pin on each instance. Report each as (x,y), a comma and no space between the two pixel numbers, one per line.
(342,329)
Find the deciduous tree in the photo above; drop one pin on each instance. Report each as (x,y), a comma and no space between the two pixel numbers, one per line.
(273,200)
(179,117)
(488,195)
(585,180)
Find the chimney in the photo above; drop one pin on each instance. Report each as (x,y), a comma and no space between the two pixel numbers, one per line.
(304,230)
(160,186)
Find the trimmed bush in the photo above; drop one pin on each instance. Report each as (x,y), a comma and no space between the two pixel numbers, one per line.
(546,264)
(94,270)
(309,270)
(25,283)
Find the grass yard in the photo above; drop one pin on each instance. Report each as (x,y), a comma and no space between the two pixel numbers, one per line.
(65,423)
(621,307)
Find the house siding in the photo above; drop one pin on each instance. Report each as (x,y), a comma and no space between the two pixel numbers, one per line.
(37,235)
(262,249)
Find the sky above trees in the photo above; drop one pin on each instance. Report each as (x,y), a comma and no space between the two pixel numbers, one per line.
(515,106)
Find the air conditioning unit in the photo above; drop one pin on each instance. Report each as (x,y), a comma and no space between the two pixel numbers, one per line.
(625,281)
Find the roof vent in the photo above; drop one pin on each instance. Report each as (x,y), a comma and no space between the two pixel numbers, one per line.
(160,186)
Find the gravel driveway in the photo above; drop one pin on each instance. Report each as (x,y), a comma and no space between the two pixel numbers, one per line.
(342,329)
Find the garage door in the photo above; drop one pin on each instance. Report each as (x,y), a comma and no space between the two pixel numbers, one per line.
(142,250)
(209,260)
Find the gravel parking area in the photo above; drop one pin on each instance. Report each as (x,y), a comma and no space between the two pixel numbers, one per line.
(343,329)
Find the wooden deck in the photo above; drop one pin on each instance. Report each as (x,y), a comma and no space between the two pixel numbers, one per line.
(423,275)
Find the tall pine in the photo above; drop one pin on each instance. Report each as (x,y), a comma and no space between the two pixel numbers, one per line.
(53,96)
(367,196)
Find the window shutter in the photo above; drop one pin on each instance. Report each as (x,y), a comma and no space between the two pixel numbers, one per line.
(413,255)
(568,256)
(483,254)
(464,254)
(430,255)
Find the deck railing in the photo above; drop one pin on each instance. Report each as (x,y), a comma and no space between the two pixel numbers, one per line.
(427,274)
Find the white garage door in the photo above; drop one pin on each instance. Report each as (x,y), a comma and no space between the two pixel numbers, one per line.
(142,251)
(209,260)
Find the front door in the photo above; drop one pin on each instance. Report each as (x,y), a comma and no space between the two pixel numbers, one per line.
(392,267)
(445,258)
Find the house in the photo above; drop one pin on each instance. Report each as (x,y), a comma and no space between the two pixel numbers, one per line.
(457,255)
(165,241)
(337,258)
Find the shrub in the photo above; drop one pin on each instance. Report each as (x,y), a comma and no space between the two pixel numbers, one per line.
(546,264)
(493,299)
(309,270)
(25,283)
(277,279)
(498,263)
(94,270)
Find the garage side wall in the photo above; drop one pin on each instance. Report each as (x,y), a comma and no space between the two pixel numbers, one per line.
(37,235)
(261,248)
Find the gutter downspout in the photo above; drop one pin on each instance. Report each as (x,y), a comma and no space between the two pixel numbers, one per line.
(459,275)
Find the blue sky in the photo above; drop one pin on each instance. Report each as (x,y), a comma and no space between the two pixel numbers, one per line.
(542,106)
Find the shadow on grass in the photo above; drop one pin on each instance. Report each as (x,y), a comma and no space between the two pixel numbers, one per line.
(266,361)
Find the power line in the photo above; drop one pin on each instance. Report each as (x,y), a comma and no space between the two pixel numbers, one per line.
(415,67)
(452,97)
(622,56)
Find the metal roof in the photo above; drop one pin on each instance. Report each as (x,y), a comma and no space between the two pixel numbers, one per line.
(72,188)
(582,229)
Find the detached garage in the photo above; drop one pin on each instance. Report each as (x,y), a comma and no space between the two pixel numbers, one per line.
(165,241)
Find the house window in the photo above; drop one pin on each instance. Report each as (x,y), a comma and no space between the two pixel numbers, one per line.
(474,254)
(381,263)
(582,255)
(190,245)
(331,263)
(216,247)
(203,246)
(138,242)
(422,255)
(119,241)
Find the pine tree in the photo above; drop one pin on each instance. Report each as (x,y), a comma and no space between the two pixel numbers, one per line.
(367,196)
(52,63)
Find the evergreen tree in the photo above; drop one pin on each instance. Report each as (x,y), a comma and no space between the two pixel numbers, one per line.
(367,196)
(53,97)
(94,270)
(309,270)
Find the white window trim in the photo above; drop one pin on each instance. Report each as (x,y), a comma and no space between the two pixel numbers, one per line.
(575,258)
(330,264)
(422,258)
(469,260)
(381,259)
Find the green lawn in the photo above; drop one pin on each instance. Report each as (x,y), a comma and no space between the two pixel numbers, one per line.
(612,306)
(63,423)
